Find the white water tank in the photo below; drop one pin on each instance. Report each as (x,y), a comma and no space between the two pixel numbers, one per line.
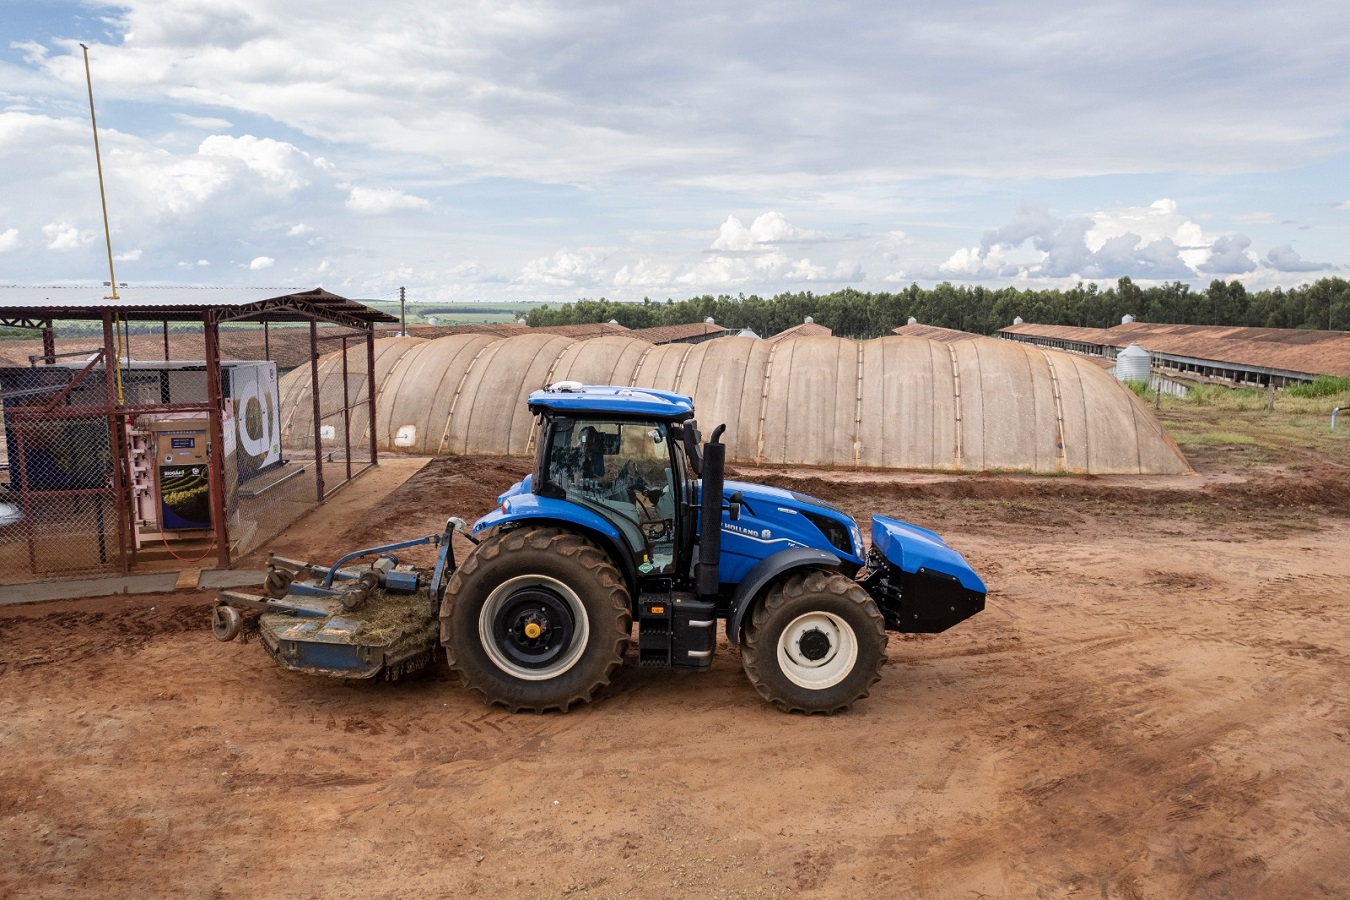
(1017,320)
(1134,363)
(913,321)
(1126,319)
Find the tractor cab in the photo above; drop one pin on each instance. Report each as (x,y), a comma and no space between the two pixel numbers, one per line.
(630,457)
(628,472)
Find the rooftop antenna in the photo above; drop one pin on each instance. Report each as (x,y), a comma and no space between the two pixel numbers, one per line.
(102,196)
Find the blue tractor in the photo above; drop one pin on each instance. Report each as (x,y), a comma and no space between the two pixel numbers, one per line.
(626,518)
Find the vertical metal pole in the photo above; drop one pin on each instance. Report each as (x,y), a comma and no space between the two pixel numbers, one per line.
(98,157)
(166,342)
(370,392)
(267,345)
(48,343)
(346,411)
(314,390)
(116,441)
(215,463)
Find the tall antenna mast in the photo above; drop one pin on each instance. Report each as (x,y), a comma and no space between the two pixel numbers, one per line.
(98,158)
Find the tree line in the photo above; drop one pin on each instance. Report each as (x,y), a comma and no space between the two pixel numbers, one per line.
(1324,304)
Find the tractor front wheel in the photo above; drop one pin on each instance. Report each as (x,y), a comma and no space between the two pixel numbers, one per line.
(536,619)
(815,644)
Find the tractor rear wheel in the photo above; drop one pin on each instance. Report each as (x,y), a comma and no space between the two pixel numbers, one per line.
(536,619)
(815,644)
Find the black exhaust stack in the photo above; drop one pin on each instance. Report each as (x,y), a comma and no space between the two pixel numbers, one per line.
(710,513)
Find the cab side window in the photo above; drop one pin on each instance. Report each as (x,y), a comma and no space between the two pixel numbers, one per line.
(621,469)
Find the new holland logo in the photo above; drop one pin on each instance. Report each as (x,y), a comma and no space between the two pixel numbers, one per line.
(763,534)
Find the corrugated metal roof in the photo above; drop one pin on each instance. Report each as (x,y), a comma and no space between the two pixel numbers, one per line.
(806,329)
(935,333)
(175,303)
(669,334)
(1297,350)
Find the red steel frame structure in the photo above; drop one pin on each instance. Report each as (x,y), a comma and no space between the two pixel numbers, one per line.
(315,307)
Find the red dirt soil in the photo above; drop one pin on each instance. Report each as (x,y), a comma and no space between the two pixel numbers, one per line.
(1152,705)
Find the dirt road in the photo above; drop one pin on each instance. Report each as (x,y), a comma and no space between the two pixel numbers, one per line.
(1154,704)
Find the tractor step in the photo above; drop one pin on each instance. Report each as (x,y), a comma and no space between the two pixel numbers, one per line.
(676,629)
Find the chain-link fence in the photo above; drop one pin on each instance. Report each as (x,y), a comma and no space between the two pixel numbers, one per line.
(60,506)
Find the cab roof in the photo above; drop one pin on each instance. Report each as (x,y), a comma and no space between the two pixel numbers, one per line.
(573,398)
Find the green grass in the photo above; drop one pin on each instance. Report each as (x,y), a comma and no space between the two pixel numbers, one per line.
(1235,429)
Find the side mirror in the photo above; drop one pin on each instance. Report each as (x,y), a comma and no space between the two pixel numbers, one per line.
(689,431)
(734,505)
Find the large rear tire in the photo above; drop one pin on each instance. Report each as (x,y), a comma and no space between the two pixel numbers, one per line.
(536,619)
(815,644)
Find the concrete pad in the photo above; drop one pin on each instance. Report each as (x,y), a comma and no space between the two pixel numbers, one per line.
(88,587)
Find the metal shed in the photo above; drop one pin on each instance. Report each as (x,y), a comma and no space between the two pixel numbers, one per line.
(93,432)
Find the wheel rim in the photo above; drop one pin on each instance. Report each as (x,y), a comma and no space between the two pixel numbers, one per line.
(225,623)
(817,651)
(533,627)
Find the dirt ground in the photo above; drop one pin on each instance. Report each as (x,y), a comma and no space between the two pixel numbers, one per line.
(1153,704)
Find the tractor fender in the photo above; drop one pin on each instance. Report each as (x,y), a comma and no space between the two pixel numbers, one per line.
(765,572)
(531,509)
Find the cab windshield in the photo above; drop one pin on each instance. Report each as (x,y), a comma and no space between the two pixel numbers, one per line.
(621,470)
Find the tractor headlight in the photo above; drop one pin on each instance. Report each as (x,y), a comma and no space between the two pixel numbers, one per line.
(835,532)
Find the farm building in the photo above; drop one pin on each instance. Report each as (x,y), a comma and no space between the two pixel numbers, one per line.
(1277,356)
(889,403)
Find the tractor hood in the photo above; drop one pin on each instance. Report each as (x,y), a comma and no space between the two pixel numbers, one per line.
(803,520)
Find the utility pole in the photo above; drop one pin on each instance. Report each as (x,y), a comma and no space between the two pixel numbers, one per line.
(403,311)
(98,158)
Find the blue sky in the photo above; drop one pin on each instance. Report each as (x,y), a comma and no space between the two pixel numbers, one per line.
(550,150)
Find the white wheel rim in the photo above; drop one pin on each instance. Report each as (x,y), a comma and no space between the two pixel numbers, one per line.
(498,598)
(826,671)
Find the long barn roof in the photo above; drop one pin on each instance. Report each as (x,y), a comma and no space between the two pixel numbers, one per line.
(1298,350)
(30,303)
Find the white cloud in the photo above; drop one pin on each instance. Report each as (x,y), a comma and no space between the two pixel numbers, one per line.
(383,200)
(278,162)
(767,228)
(1229,256)
(207,123)
(644,274)
(261,262)
(64,236)
(1154,242)
(298,230)
(566,268)
(9,240)
(129,256)
(1286,259)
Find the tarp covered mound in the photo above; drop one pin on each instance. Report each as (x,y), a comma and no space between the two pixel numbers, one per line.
(890,403)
